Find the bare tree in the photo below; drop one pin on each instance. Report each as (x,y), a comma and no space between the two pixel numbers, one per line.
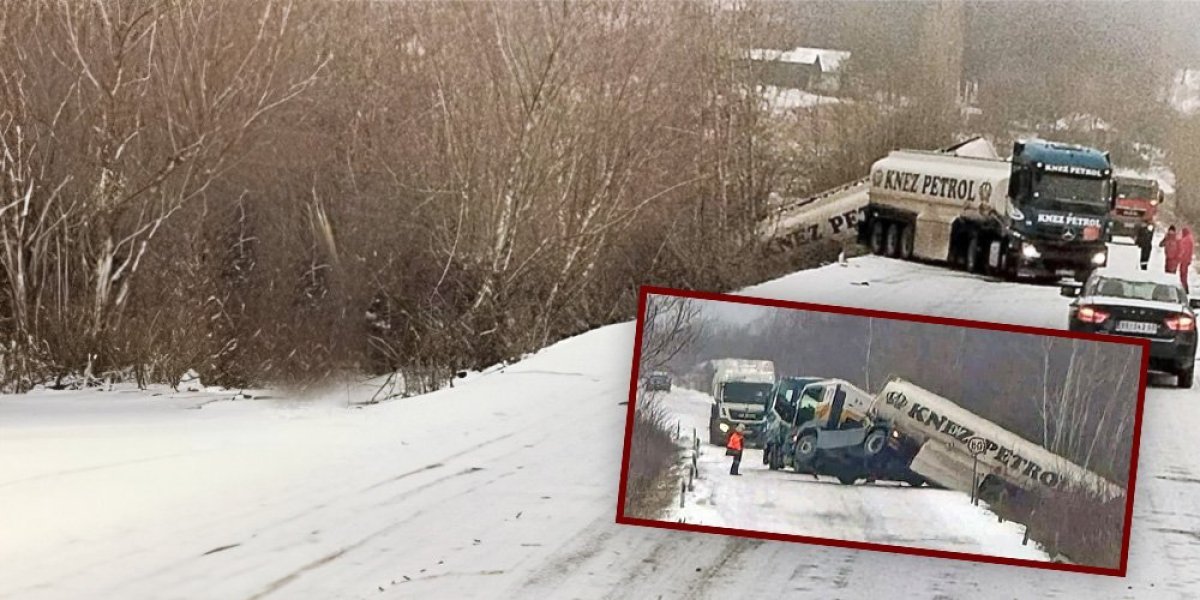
(116,116)
(670,325)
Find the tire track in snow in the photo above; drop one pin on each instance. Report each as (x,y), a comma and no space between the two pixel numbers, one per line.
(328,558)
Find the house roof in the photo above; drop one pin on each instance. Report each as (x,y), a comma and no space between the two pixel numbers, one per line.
(829,60)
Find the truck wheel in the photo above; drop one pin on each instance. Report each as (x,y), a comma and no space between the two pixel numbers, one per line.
(1184,379)
(1008,264)
(906,241)
(893,240)
(972,258)
(875,442)
(776,461)
(806,449)
(877,235)
(847,479)
(914,480)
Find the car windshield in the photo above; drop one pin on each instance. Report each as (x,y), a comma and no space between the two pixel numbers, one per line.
(743,392)
(1059,192)
(1138,290)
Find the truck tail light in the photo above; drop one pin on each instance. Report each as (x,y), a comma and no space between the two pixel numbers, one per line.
(1181,322)
(1091,314)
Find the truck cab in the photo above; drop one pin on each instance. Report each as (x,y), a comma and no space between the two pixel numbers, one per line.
(792,401)
(740,396)
(1136,207)
(825,426)
(1062,196)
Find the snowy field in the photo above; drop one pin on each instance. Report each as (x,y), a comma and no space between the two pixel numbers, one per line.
(785,502)
(503,487)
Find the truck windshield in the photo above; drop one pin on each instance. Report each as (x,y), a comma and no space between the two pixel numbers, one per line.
(1139,191)
(1075,194)
(743,392)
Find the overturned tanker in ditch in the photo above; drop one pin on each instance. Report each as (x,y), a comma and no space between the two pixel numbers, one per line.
(951,438)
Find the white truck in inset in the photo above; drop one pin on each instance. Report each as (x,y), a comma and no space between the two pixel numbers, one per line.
(740,391)
(1043,213)
(937,440)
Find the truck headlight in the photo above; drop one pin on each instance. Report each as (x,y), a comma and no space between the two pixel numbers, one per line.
(1017,215)
(724,427)
(1099,259)
(1030,251)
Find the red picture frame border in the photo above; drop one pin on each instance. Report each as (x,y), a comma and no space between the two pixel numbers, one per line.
(645,291)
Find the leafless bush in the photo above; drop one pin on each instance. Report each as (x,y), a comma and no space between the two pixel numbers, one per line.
(1071,522)
(115,117)
(653,456)
(276,190)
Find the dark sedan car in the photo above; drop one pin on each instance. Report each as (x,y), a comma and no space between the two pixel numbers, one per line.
(657,382)
(1141,305)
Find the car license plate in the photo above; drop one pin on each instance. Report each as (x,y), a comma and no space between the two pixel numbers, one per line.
(1137,327)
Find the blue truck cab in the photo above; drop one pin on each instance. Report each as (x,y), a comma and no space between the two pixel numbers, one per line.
(1062,198)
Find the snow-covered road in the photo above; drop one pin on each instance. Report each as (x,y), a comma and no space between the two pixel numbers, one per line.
(784,502)
(503,487)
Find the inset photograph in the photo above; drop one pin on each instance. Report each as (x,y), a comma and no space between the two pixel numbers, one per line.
(883,431)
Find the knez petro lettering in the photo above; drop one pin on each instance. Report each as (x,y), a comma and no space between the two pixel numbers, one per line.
(1005,456)
(929,185)
(1061,219)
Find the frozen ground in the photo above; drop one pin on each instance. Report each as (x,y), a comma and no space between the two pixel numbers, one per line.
(788,503)
(503,487)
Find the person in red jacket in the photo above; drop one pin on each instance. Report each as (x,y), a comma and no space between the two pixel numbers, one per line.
(734,448)
(1184,255)
(1170,246)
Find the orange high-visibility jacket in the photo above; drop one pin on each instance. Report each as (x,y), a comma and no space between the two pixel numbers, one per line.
(735,441)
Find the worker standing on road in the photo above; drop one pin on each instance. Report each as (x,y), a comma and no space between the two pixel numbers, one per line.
(1145,242)
(734,448)
(1186,246)
(1170,246)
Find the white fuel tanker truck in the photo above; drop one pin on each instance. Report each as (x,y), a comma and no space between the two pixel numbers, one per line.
(1043,213)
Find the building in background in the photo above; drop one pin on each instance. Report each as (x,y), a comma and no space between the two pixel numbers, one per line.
(812,69)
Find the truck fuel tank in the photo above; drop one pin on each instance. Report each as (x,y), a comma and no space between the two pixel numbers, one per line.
(960,434)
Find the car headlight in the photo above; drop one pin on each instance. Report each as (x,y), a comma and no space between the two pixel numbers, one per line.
(724,427)
(1099,258)
(1030,251)
(1017,215)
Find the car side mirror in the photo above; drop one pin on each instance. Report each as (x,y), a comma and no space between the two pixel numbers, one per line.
(1069,290)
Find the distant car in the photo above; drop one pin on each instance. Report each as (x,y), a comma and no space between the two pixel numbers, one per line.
(657,382)
(1140,304)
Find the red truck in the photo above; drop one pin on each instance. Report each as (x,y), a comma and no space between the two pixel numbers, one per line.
(1137,204)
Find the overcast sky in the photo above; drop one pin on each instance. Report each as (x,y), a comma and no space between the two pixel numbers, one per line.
(732,313)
